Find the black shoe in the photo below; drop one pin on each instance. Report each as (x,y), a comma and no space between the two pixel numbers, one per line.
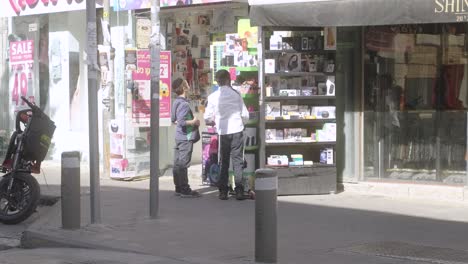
(240,194)
(223,195)
(190,194)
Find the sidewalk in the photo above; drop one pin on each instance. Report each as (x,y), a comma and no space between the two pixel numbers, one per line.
(342,228)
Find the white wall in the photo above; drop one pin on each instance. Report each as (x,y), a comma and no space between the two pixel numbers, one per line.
(72,135)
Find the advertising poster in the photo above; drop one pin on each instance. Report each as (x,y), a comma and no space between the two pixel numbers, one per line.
(141,95)
(21,73)
(120,5)
(165,89)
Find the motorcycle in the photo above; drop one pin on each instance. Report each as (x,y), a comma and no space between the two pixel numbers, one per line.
(28,147)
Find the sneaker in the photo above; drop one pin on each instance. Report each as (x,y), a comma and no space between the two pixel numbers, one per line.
(240,194)
(223,195)
(190,194)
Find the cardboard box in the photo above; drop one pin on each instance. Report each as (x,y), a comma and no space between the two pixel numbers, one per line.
(278,160)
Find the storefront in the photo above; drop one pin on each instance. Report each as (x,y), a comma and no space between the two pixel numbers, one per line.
(43,59)
(401,85)
(204,38)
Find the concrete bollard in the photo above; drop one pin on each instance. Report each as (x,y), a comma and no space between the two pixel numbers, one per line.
(266,206)
(70,190)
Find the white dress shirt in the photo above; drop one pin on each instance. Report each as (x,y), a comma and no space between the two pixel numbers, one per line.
(227,109)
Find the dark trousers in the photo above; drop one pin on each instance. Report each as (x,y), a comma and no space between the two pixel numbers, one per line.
(182,156)
(231,147)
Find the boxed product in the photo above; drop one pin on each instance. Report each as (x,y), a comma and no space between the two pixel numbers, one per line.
(330,85)
(290,110)
(272,110)
(304,111)
(270,134)
(308,91)
(327,133)
(278,160)
(289,92)
(329,155)
(276,42)
(324,112)
(270,66)
(297,160)
(326,156)
(279,134)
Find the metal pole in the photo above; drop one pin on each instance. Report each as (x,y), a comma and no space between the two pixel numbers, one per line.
(93,109)
(155,47)
(70,190)
(266,206)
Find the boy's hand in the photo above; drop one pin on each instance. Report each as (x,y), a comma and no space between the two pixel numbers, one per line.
(196,122)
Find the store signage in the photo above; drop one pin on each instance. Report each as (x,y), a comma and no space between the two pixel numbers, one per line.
(459,8)
(34,7)
(166,3)
(21,73)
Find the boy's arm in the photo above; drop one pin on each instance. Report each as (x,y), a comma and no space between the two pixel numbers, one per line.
(245,112)
(182,113)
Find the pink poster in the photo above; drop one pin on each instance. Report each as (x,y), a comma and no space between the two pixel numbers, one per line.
(165,88)
(21,73)
(141,97)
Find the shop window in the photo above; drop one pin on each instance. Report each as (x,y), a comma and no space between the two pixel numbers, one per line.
(416,96)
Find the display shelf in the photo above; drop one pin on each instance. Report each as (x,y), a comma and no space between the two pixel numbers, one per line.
(303,51)
(242,69)
(307,121)
(315,165)
(292,74)
(298,143)
(313,97)
(313,71)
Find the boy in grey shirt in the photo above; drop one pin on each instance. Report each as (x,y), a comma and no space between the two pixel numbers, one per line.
(186,135)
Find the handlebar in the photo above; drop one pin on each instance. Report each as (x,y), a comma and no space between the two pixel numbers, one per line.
(27,102)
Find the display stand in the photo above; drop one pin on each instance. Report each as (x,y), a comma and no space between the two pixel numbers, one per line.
(300,108)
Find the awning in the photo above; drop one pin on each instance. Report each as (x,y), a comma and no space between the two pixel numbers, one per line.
(310,13)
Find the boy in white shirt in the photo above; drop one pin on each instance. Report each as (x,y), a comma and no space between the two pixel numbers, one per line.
(226,110)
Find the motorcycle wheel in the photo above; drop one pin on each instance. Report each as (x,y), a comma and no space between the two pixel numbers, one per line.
(22,201)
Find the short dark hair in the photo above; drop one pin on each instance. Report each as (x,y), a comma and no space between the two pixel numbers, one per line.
(177,86)
(223,77)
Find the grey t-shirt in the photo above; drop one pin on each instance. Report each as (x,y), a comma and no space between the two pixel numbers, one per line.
(180,113)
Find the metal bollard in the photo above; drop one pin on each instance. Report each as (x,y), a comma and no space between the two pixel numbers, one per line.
(70,189)
(266,188)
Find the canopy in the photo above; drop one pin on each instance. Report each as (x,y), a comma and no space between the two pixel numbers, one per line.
(309,13)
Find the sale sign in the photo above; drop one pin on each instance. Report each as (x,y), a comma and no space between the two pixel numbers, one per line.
(21,73)
(141,96)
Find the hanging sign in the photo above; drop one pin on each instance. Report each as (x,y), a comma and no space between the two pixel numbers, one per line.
(21,72)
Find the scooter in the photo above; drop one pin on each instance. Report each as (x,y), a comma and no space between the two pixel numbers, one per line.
(29,143)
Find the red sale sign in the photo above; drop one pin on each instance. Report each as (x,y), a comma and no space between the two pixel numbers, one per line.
(21,73)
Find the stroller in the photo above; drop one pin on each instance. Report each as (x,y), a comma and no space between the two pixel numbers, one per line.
(210,166)
(210,162)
